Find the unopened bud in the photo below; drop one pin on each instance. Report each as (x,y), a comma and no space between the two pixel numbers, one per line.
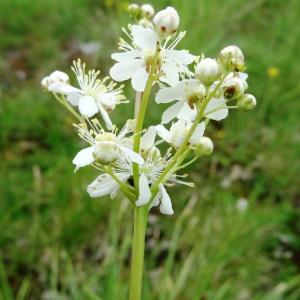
(147,11)
(231,58)
(134,10)
(55,77)
(207,71)
(204,146)
(247,102)
(166,21)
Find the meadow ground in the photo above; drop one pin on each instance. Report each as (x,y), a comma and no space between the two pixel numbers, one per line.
(56,243)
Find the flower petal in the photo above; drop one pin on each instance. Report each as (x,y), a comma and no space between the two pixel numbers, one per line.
(103,185)
(133,156)
(84,157)
(63,88)
(198,133)
(139,79)
(180,56)
(144,38)
(171,112)
(163,133)
(165,202)
(73,98)
(87,106)
(169,94)
(148,139)
(124,70)
(105,117)
(144,190)
(171,70)
(123,56)
(186,113)
(219,114)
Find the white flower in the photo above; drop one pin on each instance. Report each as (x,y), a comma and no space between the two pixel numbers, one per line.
(185,94)
(106,147)
(231,58)
(177,132)
(247,101)
(166,21)
(135,60)
(148,139)
(207,71)
(147,11)
(94,95)
(54,77)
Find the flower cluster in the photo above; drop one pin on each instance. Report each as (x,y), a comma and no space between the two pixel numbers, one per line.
(196,90)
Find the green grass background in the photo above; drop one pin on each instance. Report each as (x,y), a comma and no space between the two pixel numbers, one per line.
(57,244)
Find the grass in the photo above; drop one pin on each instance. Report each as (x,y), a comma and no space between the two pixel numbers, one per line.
(57,243)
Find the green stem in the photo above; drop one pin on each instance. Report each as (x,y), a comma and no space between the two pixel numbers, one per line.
(63,101)
(137,255)
(141,116)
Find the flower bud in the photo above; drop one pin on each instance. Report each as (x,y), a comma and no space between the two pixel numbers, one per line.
(147,11)
(204,146)
(105,152)
(247,102)
(166,21)
(207,71)
(54,77)
(231,58)
(134,10)
(234,88)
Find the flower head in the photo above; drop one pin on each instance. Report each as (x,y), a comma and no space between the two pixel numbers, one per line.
(186,93)
(105,147)
(93,96)
(178,131)
(136,58)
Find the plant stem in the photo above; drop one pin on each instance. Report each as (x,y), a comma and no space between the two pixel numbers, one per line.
(141,116)
(137,255)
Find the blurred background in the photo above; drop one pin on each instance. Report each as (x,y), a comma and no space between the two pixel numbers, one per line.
(234,236)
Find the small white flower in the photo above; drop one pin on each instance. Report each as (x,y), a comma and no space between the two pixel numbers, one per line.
(207,71)
(135,60)
(177,132)
(231,58)
(106,147)
(166,21)
(247,101)
(185,94)
(54,77)
(94,95)
(147,11)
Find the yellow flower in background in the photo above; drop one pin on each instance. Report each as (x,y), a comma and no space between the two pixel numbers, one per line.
(273,72)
